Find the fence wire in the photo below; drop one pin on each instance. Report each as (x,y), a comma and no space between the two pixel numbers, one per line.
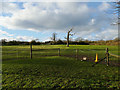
(79,54)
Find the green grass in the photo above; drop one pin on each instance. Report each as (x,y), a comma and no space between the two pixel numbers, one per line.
(84,50)
(63,47)
(55,71)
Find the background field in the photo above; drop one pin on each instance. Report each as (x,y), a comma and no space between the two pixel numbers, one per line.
(48,70)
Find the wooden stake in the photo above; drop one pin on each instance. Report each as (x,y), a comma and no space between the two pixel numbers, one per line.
(76,54)
(30,51)
(17,54)
(58,51)
(107,56)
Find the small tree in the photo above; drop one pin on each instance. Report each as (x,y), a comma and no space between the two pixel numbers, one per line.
(34,42)
(54,37)
(78,39)
(4,41)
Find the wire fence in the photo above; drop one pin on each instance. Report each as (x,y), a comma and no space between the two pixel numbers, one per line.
(78,54)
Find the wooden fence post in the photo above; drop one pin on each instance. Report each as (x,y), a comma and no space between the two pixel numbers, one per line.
(107,56)
(76,54)
(17,54)
(31,51)
(58,51)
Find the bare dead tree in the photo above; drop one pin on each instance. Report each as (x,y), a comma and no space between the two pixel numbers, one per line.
(116,12)
(68,36)
(54,37)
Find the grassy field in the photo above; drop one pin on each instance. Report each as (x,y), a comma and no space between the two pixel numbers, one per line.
(57,71)
(112,49)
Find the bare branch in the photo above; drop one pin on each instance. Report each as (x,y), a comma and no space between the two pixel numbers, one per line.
(65,37)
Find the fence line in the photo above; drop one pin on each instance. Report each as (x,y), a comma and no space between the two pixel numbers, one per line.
(114,55)
(30,52)
(79,54)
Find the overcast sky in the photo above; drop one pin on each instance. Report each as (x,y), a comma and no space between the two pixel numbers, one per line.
(29,21)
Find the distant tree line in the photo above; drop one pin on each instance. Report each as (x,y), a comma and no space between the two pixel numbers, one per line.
(78,41)
(14,42)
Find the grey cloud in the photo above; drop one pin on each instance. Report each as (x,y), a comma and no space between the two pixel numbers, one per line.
(58,17)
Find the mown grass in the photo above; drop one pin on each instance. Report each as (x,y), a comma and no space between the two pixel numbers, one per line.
(84,50)
(63,47)
(112,49)
(56,71)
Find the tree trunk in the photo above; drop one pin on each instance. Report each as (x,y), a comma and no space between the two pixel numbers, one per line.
(68,37)
(68,40)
